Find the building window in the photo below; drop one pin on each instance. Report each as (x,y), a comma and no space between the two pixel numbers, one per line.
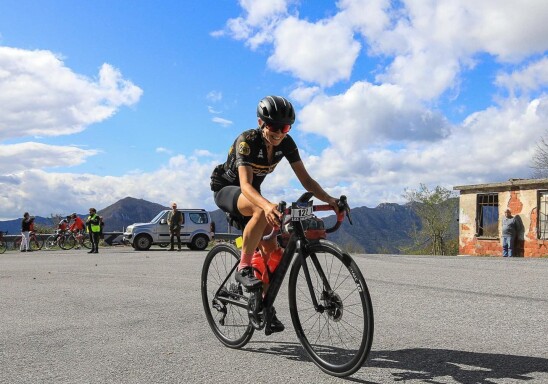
(543,215)
(487,215)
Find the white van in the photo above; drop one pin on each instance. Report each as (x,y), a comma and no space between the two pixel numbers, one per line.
(197,231)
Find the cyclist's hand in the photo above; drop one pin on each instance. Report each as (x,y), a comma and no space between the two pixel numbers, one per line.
(334,203)
(273,216)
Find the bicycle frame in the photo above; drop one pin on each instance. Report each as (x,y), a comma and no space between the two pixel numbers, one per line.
(297,243)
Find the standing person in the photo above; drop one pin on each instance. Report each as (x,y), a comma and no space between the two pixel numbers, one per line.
(509,229)
(175,221)
(94,229)
(236,185)
(26,224)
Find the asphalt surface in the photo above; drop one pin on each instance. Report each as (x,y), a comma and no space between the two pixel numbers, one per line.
(123,316)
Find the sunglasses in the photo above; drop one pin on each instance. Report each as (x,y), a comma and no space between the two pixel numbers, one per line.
(279,128)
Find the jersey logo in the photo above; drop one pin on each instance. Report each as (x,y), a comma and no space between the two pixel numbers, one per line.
(260,155)
(243,149)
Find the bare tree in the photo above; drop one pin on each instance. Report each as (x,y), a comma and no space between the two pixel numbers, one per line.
(540,160)
(436,209)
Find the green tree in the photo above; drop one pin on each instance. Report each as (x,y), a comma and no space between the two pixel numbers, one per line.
(436,209)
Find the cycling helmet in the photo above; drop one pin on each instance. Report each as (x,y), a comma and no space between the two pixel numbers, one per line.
(276,111)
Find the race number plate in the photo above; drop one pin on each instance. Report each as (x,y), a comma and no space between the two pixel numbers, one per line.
(301,211)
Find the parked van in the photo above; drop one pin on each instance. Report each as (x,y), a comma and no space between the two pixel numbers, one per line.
(197,231)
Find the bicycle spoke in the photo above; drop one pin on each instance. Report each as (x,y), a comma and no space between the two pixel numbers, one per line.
(337,335)
(228,320)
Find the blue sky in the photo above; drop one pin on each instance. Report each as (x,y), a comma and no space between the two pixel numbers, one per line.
(107,99)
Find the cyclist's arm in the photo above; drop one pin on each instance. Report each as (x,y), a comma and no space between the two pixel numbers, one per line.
(312,185)
(245,174)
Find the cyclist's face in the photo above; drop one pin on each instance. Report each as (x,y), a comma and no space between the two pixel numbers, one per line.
(273,137)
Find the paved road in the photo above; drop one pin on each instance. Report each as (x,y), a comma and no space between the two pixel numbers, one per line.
(135,317)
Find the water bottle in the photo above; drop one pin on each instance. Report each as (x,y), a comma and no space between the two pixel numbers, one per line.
(274,259)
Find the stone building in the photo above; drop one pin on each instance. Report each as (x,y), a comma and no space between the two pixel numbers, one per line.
(481,209)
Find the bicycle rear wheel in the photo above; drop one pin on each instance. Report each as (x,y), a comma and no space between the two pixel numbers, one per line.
(67,242)
(36,243)
(338,335)
(223,298)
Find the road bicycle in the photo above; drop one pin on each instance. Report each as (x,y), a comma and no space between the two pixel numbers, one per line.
(35,242)
(329,301)
(76,239)
(57,241)
(3,244)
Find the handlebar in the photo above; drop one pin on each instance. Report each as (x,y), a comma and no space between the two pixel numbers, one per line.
(344,210)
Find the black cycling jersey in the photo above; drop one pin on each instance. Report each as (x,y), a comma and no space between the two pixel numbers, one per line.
(249,149)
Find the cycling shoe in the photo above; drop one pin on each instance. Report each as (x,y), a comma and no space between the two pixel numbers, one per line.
(246,277)
(275,325)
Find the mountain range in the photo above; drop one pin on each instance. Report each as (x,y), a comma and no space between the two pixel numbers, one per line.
(383,229)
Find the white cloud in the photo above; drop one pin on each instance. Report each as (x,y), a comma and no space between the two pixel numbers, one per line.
(322,52)
(221,121)
(32,155)
(367,115)
(164,150)
(531,78)
(183,179)
(213,110)
(214,96)
(40,96)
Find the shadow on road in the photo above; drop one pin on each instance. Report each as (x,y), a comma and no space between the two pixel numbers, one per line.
(428,364)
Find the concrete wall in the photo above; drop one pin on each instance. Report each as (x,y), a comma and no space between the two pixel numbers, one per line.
(522,204)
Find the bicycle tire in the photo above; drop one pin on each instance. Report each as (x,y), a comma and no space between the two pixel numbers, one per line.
(67,242)
(86,241)
(3,246)
(51,243)
(229,322)
(17,242)
(339,337)
(35,243)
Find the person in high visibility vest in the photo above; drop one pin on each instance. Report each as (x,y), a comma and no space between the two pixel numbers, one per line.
(93,224)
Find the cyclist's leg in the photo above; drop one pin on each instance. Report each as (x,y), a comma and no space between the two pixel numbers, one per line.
(230,199)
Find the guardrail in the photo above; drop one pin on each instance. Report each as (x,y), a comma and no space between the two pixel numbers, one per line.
(110,237)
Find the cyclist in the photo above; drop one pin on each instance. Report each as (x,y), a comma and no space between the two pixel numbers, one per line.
(237,184)
(77,225)
(63,224)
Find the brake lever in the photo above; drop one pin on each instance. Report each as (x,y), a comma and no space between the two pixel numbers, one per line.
(343,206)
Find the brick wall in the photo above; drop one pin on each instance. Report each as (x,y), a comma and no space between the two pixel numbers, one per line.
(522,204)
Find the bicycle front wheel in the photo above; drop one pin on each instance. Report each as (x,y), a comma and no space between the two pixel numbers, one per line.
(223,298)
(86,241)
(67,242)
(337,335)
(51,243)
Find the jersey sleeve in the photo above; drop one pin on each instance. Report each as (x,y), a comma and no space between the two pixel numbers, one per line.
(291,152)
(242,151)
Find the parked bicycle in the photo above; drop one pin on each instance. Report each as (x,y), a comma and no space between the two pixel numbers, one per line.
(3,244)
(35,242)
(329,301)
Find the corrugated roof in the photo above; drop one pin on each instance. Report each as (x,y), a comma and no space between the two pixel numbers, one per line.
(506,185)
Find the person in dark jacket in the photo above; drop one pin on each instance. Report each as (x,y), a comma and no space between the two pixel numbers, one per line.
(26,224)
(175,221)
(509,230)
